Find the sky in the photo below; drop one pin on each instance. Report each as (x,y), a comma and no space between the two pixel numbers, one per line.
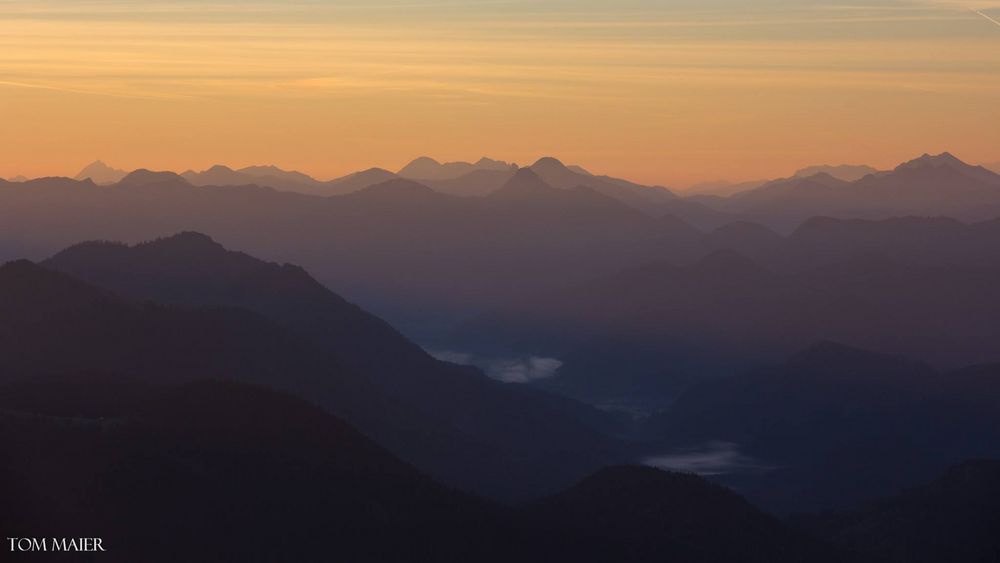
(663,92)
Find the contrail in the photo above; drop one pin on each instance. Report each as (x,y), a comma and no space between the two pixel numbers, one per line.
(991,18)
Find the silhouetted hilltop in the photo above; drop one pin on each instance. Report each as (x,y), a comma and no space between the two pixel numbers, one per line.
(273,172)
(57,183)
(146,178)
(355,182)
(426,168)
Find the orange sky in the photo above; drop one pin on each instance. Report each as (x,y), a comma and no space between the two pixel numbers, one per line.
(671,94)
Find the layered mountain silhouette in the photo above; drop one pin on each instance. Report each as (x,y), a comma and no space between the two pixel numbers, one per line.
(426,168)
(270,176)
(450,258)
(929,185)
(449,420)
(844,172)
(940,184)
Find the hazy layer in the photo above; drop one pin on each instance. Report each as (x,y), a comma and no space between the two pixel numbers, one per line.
(661,92)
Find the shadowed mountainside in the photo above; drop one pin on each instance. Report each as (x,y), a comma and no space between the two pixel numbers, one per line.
(449,420)
(834,425)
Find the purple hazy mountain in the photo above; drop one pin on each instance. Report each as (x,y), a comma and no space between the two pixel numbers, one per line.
(426,168)
(927,186)
(845,172)
(147,178)
(354,182)
(101,173)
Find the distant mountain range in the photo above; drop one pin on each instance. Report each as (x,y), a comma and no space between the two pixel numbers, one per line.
(939,184)
(426,168)
(845,172)
(426,259)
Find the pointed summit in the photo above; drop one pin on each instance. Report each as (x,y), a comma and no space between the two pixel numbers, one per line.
(100,173)
(946,170)
(935,161)
(524,183)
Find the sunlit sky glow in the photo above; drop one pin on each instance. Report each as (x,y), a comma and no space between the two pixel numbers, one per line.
(669,92)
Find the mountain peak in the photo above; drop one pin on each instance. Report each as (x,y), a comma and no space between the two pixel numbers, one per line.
(187,241)
(100,173)
(936,161)
(420,167)
(524,182)
(844,172)
(548,163)
(486,163)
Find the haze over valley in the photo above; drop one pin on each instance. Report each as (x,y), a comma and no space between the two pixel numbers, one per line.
(463,281)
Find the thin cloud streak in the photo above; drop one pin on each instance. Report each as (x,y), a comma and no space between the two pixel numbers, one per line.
(990,18)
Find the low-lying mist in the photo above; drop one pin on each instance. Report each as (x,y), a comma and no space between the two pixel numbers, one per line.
(508,370)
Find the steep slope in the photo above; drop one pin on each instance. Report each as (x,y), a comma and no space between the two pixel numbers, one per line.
(190,269)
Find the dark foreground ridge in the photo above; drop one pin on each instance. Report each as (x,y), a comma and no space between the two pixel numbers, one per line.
(212,471)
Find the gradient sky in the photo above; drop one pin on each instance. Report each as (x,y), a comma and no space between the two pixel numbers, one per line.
(669,92)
